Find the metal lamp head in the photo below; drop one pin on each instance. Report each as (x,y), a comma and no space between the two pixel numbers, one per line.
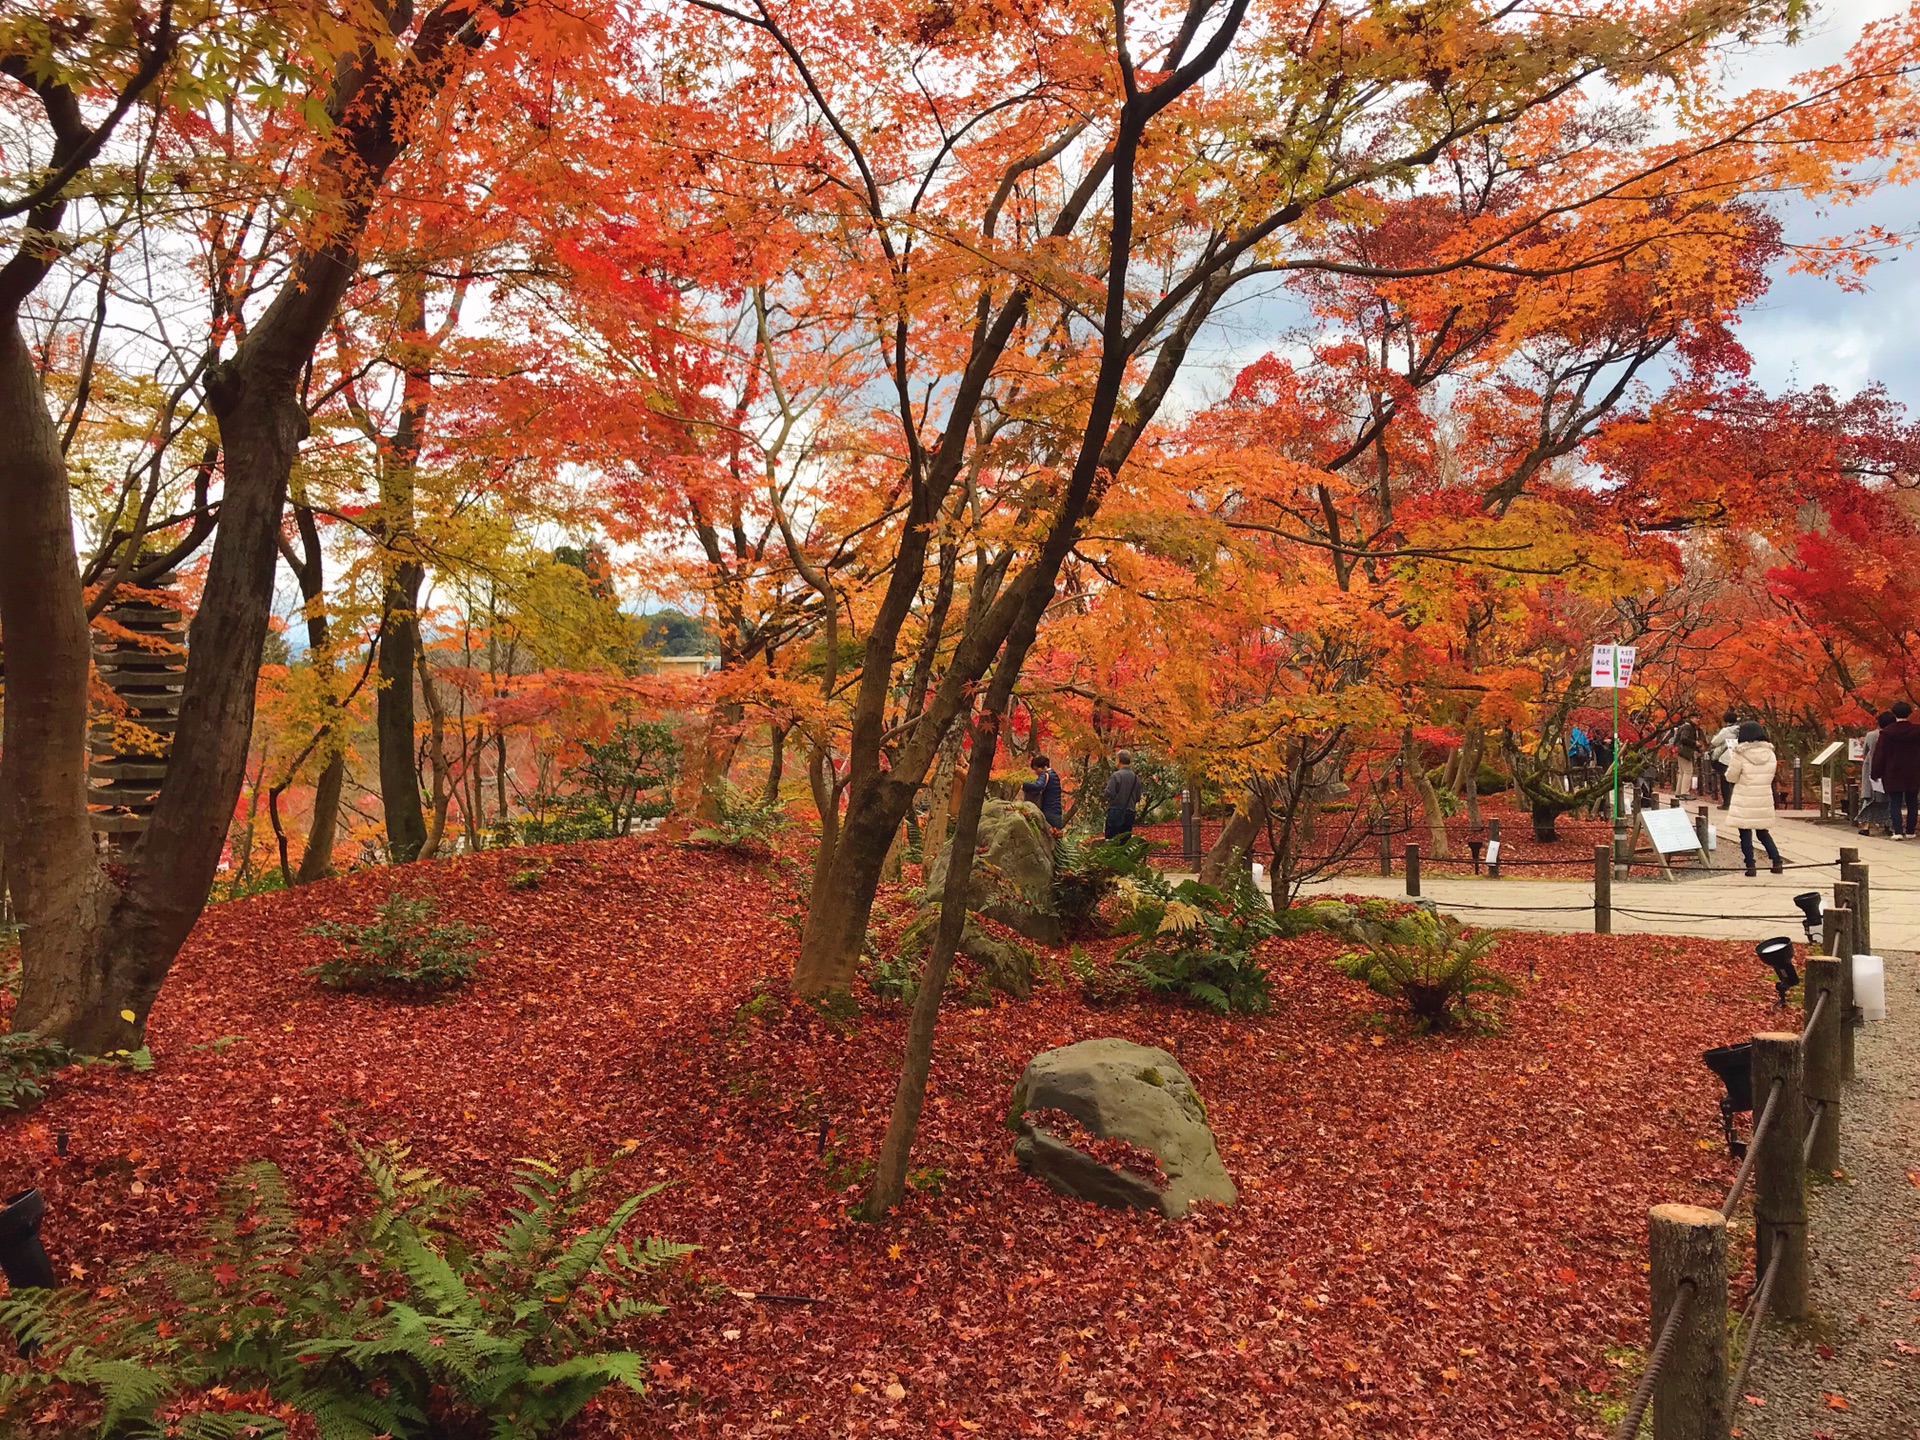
(1778,954)
(1810,910)
(1734,1065)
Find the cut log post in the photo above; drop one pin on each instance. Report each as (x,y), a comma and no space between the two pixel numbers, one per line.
(1413,870)
(1386,857)
(1603,889)
(1779,1175)
(1852,870)
(1820,1063)
(1701,824)
(1845,947)
(1687,1264)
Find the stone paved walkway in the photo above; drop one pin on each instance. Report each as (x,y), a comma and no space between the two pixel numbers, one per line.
(1721,904)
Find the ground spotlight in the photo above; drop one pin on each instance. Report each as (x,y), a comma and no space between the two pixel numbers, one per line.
(1778,953)
(1809,903)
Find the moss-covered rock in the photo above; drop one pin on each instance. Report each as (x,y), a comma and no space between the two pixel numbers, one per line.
(1135,1094)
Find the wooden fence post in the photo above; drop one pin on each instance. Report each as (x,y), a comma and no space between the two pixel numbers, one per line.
(1844,948)
(1851,869)
(1493,839)
(1413,870)
(1779,1175)
(1820,1065)
(1688,1243)
(1386,856)
(1603,889)
(1701,824)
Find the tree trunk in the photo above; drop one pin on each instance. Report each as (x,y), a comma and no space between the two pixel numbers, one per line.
(57,888)
(842,897)
(316,860)
(1429,799)
(393,718)
(890,867)
(1235,844)
(939,801)
(776,762)
(436,758)
(1469,788)
(890,1171)
(83,971)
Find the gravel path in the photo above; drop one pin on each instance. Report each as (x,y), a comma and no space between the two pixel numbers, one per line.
(1852,1372)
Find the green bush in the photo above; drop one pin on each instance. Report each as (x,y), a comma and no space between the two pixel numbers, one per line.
(741,821)
(1085,873)
(401,951)
(390,1327)
(1433,966)
(639,756)
(24,1058)
(1195,942)
(562,818)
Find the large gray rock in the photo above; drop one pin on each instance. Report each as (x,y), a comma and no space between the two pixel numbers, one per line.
(1012,879)
(1119,1091)
(1004,966)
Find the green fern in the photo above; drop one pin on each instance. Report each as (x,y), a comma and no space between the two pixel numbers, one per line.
(389,1329)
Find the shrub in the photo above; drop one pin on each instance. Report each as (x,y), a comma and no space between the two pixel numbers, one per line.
(528,878)
(1085,873)
(401,951)
(1432,965)
(561,818)
(390,1327)
(740,821)
(1195,942)
(639,756)
(24,1058)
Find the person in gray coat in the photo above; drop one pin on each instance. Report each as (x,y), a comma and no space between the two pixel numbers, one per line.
(1123,797)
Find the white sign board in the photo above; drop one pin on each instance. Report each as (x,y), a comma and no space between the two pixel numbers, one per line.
(1827,754)
(1857,748)
(1826,789)
(1493,852)
(1612,667)
(1671,832)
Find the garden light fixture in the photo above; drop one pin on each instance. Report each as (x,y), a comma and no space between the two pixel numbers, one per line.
(1734,1065)
(1809,903)
(1778,953)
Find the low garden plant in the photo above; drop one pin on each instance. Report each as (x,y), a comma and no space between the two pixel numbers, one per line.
(1435,967)
(1195,942)
(25,1059)
(392,1326)
(401,951)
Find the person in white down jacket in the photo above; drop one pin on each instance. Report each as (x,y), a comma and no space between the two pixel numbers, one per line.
(1750,766)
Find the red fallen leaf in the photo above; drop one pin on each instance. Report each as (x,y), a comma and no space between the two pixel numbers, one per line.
(1759,1400)
(1825,1352)
(650,952)
(226,1274)
(1566,1275)
(1834,1402)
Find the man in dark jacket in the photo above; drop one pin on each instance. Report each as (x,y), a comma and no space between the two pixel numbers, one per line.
(1896,765)
(1044,790)
(1123,797)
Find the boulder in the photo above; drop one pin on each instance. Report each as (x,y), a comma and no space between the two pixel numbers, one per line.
(1004,966)
(1121,1091)
(1012,878)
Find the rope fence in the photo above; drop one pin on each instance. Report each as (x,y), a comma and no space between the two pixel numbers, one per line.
(1796,1076)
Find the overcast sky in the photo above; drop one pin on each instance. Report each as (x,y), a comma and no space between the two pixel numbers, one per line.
(1809,331)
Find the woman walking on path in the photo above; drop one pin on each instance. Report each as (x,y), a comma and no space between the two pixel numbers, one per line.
(1750,766)
(1896,765)
(1873,795)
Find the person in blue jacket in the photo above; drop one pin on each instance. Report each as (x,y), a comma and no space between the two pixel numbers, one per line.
(1044,790)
